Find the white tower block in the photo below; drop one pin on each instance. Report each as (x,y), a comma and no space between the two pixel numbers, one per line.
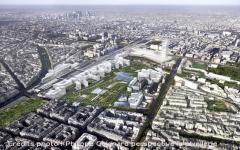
(78,85)
(107,66)
(101,72)
(126,62)
(121,63)
(163,51)
(85,83)
(64,83)
(237,42)
(93,70)
(117,65)
(120,60)
(94,77)
(81,78)
(56,93)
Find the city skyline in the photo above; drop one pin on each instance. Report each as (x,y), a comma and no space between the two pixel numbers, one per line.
(120,2)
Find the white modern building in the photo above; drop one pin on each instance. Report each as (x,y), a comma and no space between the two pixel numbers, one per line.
(56,93)
(58,71)
(59,89)
(183,82)
(159,54)
(214,89)
(120,62)
(81,79)
(234,94)
(135,99)
(150,75)
(190,84)
(226,33)
(63,84)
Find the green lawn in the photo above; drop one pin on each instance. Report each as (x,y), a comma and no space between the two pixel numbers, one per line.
(218,106)
(184,74)
(226,83)
(134,67)
(199,65)
(233,72)
(215,81)
(187,73)
(12,113)
(106,99)
(109,97)
(231,84)
(234,64)
(73,95)
(112,94)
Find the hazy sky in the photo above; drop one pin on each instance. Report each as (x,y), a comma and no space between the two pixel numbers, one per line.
(106,2)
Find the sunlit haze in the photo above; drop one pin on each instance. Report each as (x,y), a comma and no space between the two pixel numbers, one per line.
(121,2)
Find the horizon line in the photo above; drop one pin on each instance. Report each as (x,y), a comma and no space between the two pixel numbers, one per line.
(119,4)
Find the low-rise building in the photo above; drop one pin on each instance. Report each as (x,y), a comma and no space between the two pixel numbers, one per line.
(119,126)
(62,135)
(84,116)
(85,142)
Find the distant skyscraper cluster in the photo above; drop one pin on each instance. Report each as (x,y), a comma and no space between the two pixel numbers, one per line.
(79,14)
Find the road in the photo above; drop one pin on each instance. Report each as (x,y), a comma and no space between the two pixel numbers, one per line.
(21,86)
(156,104)
(45,66)
(163,91)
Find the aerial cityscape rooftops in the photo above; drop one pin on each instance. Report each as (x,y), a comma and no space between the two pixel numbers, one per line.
(119,77)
